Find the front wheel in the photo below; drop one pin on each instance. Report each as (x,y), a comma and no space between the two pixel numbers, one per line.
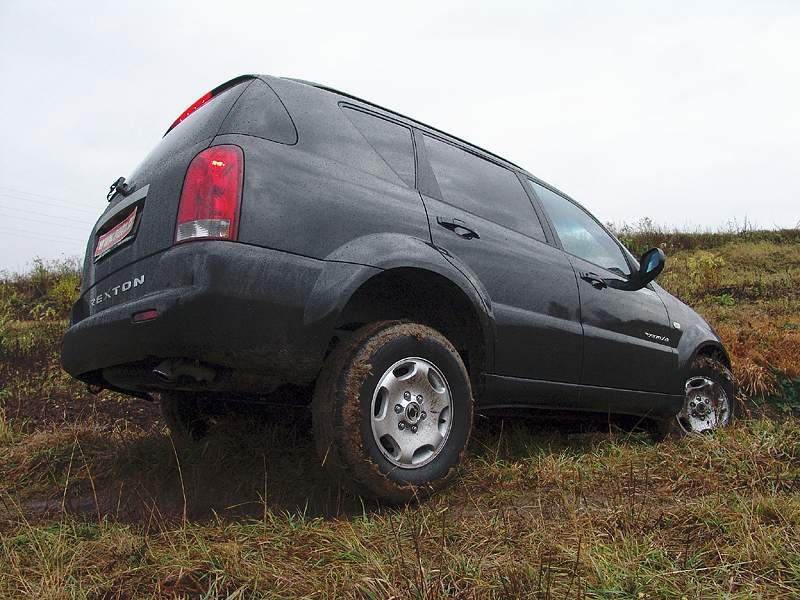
(392,411)
(709,402)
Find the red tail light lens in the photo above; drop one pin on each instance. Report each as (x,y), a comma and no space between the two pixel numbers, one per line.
(212,193)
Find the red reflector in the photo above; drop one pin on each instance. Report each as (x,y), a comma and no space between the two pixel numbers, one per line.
(212,192)
(145,315)
(195,105)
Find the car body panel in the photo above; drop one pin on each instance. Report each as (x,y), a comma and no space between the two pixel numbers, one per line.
(216,303)
(626,335)
(387,252)
(693,335)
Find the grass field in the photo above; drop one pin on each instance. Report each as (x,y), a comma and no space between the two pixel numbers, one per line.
(98,501)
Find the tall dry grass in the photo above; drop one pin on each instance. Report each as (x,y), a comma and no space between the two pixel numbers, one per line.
(96,501)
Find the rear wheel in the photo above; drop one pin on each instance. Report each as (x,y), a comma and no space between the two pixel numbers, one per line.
(709,402)
(392,411)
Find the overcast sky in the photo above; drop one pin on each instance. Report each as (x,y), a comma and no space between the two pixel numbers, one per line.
(685,112)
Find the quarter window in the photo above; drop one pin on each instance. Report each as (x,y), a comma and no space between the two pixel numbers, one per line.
(390,140)
(482,187)
(580,234)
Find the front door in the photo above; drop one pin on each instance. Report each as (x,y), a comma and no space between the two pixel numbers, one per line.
(628,340)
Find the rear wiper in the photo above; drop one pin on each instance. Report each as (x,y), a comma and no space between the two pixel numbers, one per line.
(118,186)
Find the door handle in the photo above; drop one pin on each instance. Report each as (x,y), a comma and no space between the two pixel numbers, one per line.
(458,227)
(594,279)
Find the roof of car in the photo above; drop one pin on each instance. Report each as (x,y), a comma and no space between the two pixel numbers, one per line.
(525,172)
(394,112)
(407,118)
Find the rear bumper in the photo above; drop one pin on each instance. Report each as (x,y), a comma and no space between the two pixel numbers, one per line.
(236,307)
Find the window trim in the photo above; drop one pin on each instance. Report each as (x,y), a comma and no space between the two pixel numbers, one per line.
(625,254)
(428,184)
(541,214)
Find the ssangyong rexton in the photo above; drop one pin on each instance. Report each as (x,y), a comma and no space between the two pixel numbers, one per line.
(284,233)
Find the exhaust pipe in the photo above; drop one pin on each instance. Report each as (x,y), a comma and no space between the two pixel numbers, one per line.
(173,369)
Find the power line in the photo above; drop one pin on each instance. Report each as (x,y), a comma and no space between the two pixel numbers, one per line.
(38,195)
(18,200)
(6,190)
(25,234)
(63,206)
(39,221)
(12,227)
(33,212)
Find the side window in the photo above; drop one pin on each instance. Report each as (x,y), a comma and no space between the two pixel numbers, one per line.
(580,234)
(390,140)
(482,187)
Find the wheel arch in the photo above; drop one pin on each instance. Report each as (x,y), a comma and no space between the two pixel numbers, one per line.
(407,278)
(709,347)
(712,349)
(697,339)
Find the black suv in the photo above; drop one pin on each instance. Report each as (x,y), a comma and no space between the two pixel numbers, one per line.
(287,234)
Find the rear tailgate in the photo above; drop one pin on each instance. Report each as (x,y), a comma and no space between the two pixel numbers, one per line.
(142,223)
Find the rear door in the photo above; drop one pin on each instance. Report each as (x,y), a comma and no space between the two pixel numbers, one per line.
(483,221)
(627,343)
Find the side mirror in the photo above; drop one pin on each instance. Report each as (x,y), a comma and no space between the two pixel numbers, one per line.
(650,266)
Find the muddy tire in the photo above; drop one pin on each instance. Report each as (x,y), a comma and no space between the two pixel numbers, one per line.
(184,415)
(710,402)
(392,411)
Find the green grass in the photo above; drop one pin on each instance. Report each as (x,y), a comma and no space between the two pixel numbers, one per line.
(97,501)
(596,515)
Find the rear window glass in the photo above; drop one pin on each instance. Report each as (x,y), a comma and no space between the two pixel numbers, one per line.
(482,187)
(390,140)
(259,112)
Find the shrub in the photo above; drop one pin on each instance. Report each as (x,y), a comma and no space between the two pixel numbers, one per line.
(47,291)
(645,234)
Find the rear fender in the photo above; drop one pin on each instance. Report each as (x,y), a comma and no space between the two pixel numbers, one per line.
(382,252)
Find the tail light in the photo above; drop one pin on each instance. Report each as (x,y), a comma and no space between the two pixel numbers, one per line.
(211,195)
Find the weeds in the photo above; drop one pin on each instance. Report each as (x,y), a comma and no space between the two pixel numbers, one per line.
(646,234)
(6,433)
(596,518)
(97,501)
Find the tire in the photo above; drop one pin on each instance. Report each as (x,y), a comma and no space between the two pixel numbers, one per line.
(350,411)
(688,421)
(184,415)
